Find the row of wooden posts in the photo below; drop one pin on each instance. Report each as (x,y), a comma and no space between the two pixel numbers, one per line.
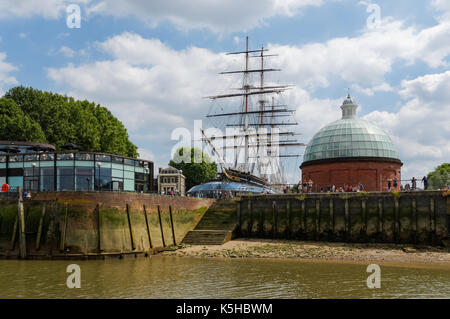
(19,227)
(331,221)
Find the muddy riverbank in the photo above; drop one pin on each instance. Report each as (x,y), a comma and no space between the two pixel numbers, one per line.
(284,249)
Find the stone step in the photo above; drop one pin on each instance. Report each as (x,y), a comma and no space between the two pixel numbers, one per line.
(207,237)
(216,226)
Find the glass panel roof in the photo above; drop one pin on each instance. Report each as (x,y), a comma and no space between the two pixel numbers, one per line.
(223,186)
(350,137)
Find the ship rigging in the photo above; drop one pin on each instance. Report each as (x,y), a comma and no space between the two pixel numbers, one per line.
(258,127)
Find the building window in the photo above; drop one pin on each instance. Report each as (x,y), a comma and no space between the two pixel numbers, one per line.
(84,178)
(47,181)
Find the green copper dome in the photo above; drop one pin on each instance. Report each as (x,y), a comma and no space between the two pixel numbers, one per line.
(350,137)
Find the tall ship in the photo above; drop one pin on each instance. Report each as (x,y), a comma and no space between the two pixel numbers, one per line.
(252,130)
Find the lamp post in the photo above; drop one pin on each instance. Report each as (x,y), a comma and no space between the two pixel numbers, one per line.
(99,165)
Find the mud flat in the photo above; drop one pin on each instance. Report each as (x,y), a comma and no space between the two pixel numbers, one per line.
(286,249)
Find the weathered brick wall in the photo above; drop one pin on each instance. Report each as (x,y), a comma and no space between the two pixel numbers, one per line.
(370,174)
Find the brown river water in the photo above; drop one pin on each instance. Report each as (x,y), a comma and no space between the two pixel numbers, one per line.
(190,277)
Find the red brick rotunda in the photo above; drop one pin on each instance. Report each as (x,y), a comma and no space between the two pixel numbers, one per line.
(351,151)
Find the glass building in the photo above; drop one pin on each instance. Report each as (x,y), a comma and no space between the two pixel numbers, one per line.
(39,167)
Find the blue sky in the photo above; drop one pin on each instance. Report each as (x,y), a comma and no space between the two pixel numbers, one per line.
(151,62)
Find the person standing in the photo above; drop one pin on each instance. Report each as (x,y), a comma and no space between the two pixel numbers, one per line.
(414,183)
(425,182)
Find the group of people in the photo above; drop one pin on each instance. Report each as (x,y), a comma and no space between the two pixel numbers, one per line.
(307,187)
(170,192)
(413,185)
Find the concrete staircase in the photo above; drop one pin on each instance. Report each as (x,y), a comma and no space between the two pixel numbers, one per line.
(216,226)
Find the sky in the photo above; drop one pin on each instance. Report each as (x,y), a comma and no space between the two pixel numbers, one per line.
(152,62)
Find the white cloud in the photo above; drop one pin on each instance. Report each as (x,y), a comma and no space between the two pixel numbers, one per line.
(49,9)
(5,69)
(366,59)
(67,52)
(383,87)
(215,15)
(443,7)
(421,128)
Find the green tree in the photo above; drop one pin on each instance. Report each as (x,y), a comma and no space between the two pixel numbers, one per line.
(440,177)
(65,120)
(196,166)
(17,126)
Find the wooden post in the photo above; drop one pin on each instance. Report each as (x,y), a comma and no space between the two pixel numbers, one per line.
(303,217)
(99,229)
(380,217)
(148,228)
(238,216)
(63,235)
(414,227)
(288,210)
(14,234)
(432,221)
(39,232)
(161,227)
(22,237)
(261,223)
(133,246)
(172,226)
(331,221)
(364,216)
(396,221)
(433,214)
(274,218)
(347,219)
(317,221)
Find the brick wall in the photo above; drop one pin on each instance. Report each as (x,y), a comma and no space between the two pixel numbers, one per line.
(373,175)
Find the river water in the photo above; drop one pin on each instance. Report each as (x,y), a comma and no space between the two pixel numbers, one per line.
(189,277)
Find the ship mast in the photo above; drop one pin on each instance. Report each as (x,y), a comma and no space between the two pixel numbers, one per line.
(254,121)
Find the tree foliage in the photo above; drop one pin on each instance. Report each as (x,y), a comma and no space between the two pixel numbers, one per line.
(196,166)
(58,120)
(15,125)
(440,177)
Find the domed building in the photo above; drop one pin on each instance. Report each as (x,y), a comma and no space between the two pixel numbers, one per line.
(351,151)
